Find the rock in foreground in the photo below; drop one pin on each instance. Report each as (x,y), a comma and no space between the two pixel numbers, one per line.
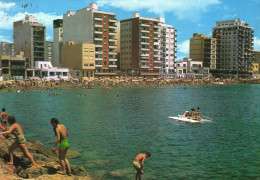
(47,164)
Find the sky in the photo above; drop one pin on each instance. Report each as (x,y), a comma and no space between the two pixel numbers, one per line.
(186,16)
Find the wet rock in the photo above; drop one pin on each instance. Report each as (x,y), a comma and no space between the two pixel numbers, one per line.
(39,148)
(72,154)
(21,172)
(33,172)
(79,171)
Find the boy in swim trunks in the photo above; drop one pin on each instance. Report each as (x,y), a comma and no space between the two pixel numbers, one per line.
(3,116)
(140,158)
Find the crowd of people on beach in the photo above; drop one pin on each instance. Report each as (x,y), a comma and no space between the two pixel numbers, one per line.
(61,134)
(123,82)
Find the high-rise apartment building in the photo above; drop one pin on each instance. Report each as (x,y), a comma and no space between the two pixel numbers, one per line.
(92,26)
(201,49)
(168,48)
(147,46)
(29,37)
(234,46)
(48,51)
(57,41)
(7,48)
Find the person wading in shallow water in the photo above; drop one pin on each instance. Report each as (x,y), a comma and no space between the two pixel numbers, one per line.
(20,141)
(138,164)
(62,134)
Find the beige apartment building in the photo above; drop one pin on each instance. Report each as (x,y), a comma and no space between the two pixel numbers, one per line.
(92,26)
(203,49)
(79,58)
(29,37)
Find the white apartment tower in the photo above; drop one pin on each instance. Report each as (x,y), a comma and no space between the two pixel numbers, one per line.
(29,37)
(168,48)
(92,26)
(234,44)
(144,47)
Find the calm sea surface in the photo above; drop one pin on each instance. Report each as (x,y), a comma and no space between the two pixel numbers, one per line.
(110,128)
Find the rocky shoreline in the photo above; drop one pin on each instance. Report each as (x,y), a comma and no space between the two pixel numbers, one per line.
(47,163)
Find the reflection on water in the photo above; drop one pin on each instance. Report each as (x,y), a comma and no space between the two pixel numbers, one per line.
(110,128)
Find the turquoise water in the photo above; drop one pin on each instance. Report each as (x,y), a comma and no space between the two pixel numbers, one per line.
(111,128)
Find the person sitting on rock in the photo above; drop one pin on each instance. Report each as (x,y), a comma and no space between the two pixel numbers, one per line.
(20,141)
(62,134)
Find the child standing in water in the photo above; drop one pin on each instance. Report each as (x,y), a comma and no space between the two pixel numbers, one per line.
(62,134)
(20,141)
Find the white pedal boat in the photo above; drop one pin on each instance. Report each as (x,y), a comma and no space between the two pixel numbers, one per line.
(188,118)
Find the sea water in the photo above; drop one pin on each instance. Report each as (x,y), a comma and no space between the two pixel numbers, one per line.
(110,128)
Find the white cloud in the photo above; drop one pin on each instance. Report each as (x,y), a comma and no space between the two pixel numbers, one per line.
(184,47)
(183,9)
(49,38)
(6,6)
(4,39)
(256,43)
(43,18)
(200,25)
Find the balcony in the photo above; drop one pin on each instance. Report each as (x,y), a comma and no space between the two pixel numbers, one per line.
(98,25)
(113,46)
(112,59)
(144,24)
(145,55)
(144,31)
(98,59)
(99,45)
(98,18)
(144,37)
(144,49)
(144,66)
(98,39)
(112,53)
(98,65)
(112,26)
(144,43)
(156,43)
(112,33)
(112,40)
(112,20)
(112,66)
(98,32)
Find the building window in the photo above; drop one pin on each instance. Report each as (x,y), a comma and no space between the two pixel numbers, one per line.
(86,64)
